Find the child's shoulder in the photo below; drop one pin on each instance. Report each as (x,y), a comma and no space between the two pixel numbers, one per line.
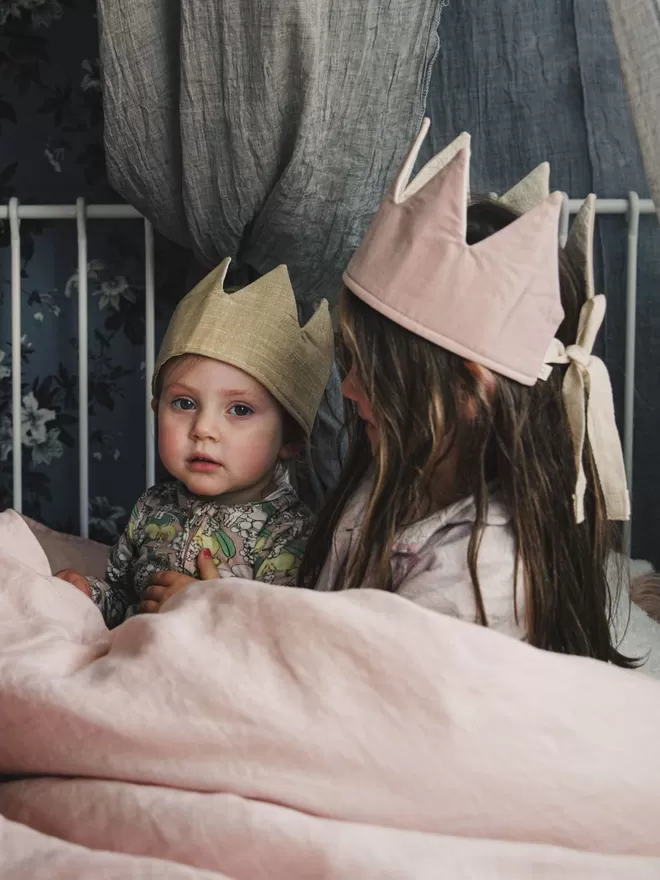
(284,501)
(286,515)
(444,526)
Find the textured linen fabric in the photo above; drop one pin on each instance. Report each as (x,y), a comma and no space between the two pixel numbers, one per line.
(636,29)
(358,709)
(267,132)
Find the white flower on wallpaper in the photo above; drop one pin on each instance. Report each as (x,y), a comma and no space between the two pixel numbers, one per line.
(41,300)
(108,443)
(5,370)
(55,157)
(94,270)
(110,289)
(44,453)
(44,442)
(104,516)
(92,77)
(42,12)
(34,421)
(112,292)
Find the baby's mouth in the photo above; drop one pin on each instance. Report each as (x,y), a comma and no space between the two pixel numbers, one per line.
(202,462)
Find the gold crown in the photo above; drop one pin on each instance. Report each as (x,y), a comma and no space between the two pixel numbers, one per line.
(257,330)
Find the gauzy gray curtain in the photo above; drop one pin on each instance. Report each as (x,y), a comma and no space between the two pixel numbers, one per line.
(265,130)
(636,28)
(534,81)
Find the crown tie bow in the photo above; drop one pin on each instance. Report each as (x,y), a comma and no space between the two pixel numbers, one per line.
(589,404)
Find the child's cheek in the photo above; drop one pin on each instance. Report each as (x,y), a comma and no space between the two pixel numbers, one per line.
(168,440)
(254,457)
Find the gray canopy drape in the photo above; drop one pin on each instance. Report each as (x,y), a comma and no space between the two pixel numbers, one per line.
(636,28)
(265,131)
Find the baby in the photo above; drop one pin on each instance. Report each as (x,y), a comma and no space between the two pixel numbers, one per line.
(236,388)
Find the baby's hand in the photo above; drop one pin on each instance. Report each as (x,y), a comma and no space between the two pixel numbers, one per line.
(164,584)
(77,580)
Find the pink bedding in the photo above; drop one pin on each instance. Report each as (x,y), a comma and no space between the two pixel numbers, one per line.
(258,732)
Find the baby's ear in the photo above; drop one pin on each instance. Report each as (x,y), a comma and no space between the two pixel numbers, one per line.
(289,450)
(483,375)
(485,391)
(154,404)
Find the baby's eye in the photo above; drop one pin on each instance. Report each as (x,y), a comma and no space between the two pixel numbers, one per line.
(240,409)
(183,403)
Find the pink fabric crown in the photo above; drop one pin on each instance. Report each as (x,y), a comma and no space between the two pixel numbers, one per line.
(496,302)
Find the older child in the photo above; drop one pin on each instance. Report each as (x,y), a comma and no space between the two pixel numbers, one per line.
(236,388)
(485,461)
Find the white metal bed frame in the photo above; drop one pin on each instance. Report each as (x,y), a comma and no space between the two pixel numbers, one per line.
(632,207)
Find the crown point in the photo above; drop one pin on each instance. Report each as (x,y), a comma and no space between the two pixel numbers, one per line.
(256,330)
(221,273)
(580,244)
(403,177)
(530,191)
(320,312)
(436,164)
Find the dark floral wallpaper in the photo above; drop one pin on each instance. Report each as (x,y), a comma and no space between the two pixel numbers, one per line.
(51,152)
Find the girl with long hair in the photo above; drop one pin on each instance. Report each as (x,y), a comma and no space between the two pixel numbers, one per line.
(485,470)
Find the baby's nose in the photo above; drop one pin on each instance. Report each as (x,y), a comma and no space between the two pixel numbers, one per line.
(206,427)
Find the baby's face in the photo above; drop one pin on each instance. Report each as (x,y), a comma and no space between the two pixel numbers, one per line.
(219,431)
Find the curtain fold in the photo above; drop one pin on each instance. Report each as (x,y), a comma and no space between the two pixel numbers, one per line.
(636,29)
(267,132)
(263,131)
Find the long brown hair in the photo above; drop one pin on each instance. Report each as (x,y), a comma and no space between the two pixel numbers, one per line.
(430,404)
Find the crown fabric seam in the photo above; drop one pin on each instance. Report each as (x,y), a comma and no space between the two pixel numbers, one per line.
(450,344)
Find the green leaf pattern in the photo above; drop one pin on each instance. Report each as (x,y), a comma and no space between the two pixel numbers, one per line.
(227,546)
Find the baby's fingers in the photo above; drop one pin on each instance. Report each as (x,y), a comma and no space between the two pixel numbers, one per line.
(75,579)
(207,568)
(155,594)
(165,578)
